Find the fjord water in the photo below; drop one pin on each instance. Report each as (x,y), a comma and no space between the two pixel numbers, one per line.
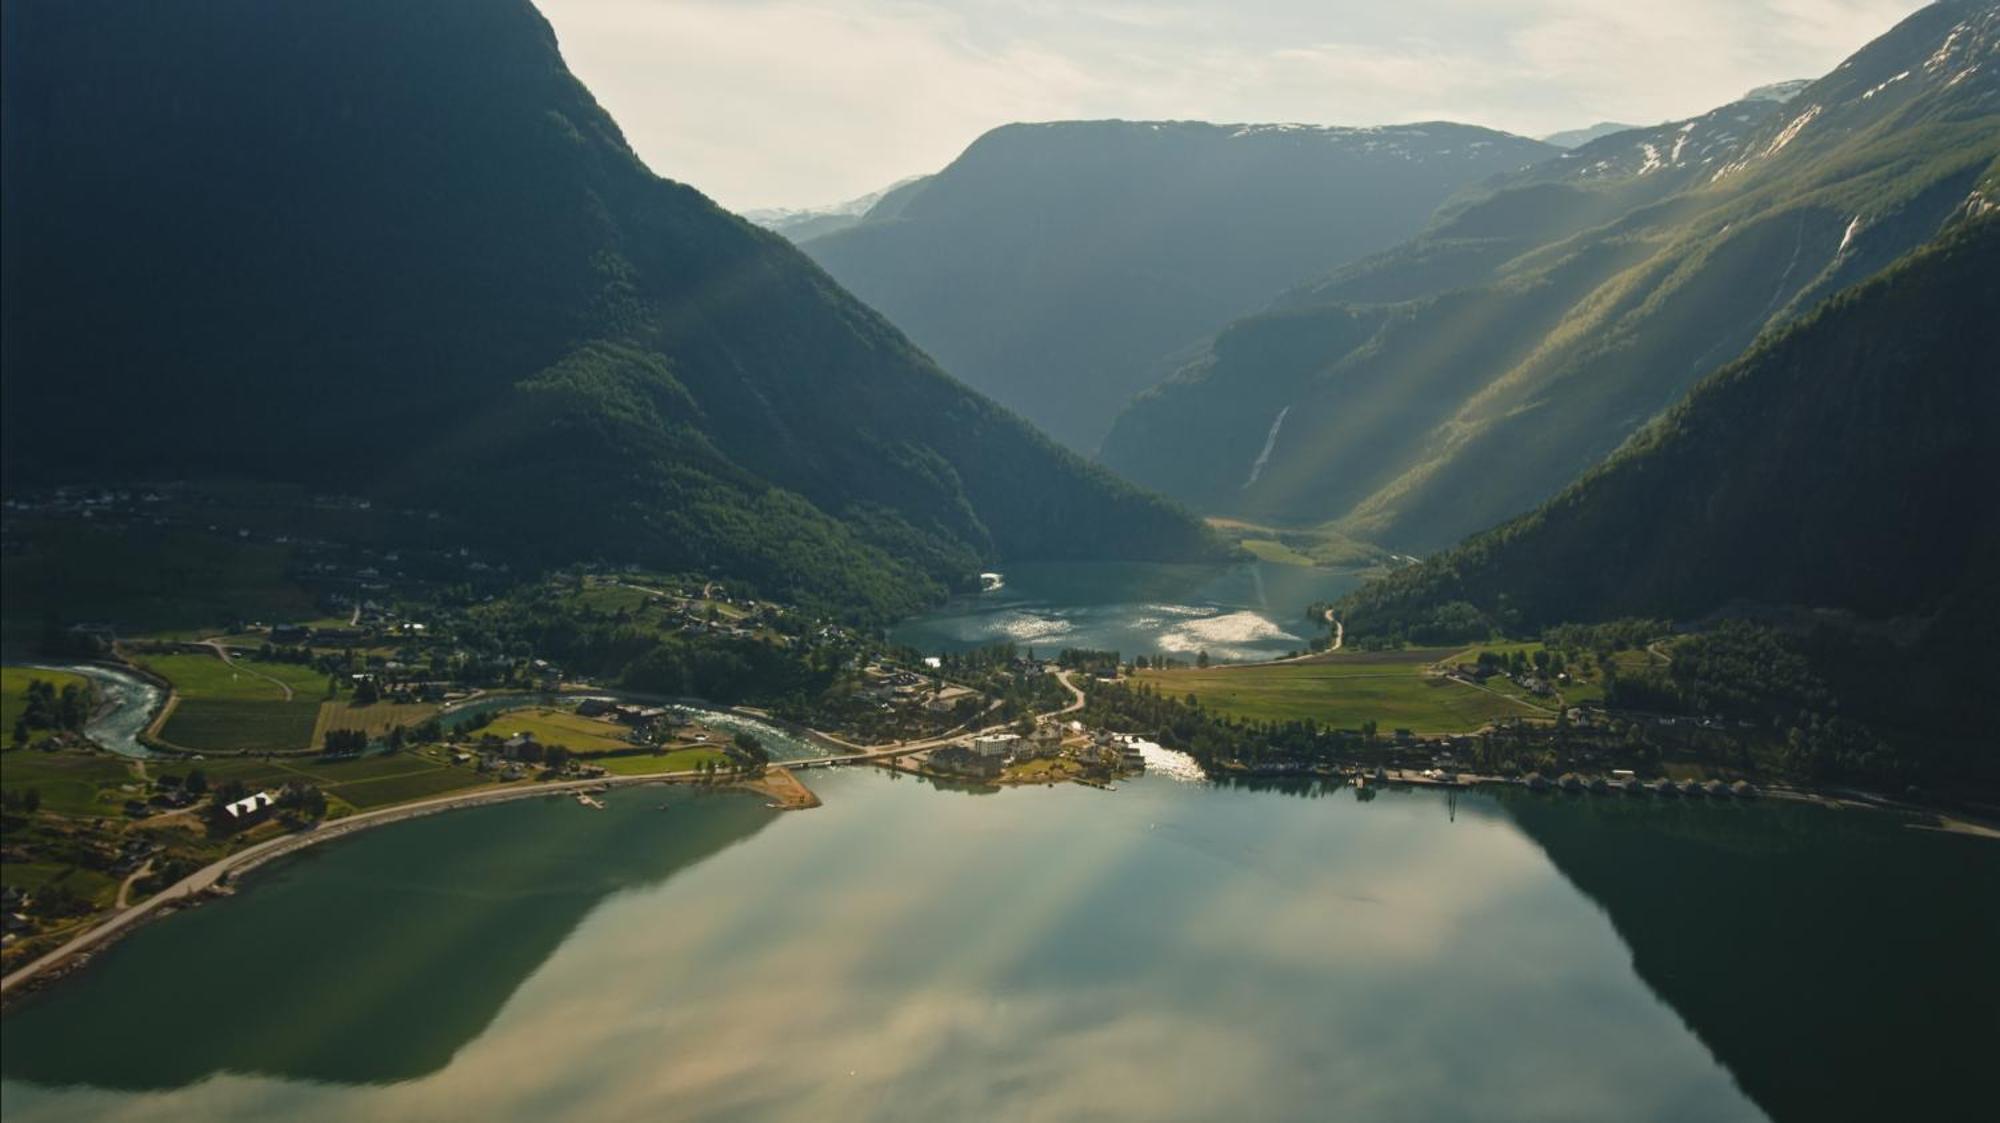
(1168,950)
(1252,610)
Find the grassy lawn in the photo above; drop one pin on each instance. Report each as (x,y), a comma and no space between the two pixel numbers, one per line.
(14,691)
(1388,688)
(83,784)
(237,726)
(1047,770)
(375,719)
(561,727)
(646,764)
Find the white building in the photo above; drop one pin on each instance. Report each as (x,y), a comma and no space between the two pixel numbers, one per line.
(996,744)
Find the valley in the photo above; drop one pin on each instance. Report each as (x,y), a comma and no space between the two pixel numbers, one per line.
(1169,612)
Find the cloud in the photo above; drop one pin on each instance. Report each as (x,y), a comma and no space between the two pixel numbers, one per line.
(800,102)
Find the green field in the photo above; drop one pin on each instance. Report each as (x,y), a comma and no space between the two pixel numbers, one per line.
(561,727)
(255,774)
(364,782)
(82,784)
(97,888)
(646,764)
(401,788)
(1390,689)
(14,691)
(203,676)
(224,726)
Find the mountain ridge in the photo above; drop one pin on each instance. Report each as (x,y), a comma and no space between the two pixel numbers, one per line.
(1057,265)
(443,278)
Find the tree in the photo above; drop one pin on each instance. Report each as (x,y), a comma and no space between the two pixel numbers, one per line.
(1201,658)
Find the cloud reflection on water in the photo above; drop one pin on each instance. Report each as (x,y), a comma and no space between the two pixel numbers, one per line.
(1158,952)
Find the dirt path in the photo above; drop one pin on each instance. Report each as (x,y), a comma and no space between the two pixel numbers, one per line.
(125,889)
(222,653)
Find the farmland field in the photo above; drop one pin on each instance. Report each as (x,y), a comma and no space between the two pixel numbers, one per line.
(1390,689)
(375,719)
(221,725)
(561,727)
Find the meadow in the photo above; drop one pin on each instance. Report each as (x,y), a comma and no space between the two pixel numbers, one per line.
(84,785)
(646,764)
(201,675)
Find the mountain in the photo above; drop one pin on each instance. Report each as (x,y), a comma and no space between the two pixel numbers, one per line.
(1841,479)
(1571,138)
(1057,266)
(1466,375)
(398,251)
(802,223)
(1849,461)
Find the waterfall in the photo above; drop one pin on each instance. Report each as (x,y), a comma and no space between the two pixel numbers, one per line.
(1270,442)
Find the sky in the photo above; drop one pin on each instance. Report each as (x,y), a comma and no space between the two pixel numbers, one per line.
(791,103)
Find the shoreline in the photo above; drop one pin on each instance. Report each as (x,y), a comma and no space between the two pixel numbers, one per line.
(784,792)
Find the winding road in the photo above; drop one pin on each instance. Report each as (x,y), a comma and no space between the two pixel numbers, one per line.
(215,873)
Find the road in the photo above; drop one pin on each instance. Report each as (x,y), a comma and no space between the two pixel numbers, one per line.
(207,877)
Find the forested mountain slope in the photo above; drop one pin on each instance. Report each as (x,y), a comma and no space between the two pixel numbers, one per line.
(1850,462)
(1058,266)
(397,250)
(1547,315)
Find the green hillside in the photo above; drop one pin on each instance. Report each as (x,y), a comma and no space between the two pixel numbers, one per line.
(398,251)
(1549,314)
(1839,481)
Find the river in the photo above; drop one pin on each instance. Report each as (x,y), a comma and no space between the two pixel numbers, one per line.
(126,704)
(1251,610)
(1169,950)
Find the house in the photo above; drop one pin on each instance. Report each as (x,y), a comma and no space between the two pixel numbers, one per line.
(290,635)
(249,809)
(514,746)
(594,707)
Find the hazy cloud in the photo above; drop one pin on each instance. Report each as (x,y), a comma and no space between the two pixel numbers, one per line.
(795,102)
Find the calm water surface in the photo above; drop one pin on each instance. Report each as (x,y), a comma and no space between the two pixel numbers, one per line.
(1254,610)
(1166,951)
